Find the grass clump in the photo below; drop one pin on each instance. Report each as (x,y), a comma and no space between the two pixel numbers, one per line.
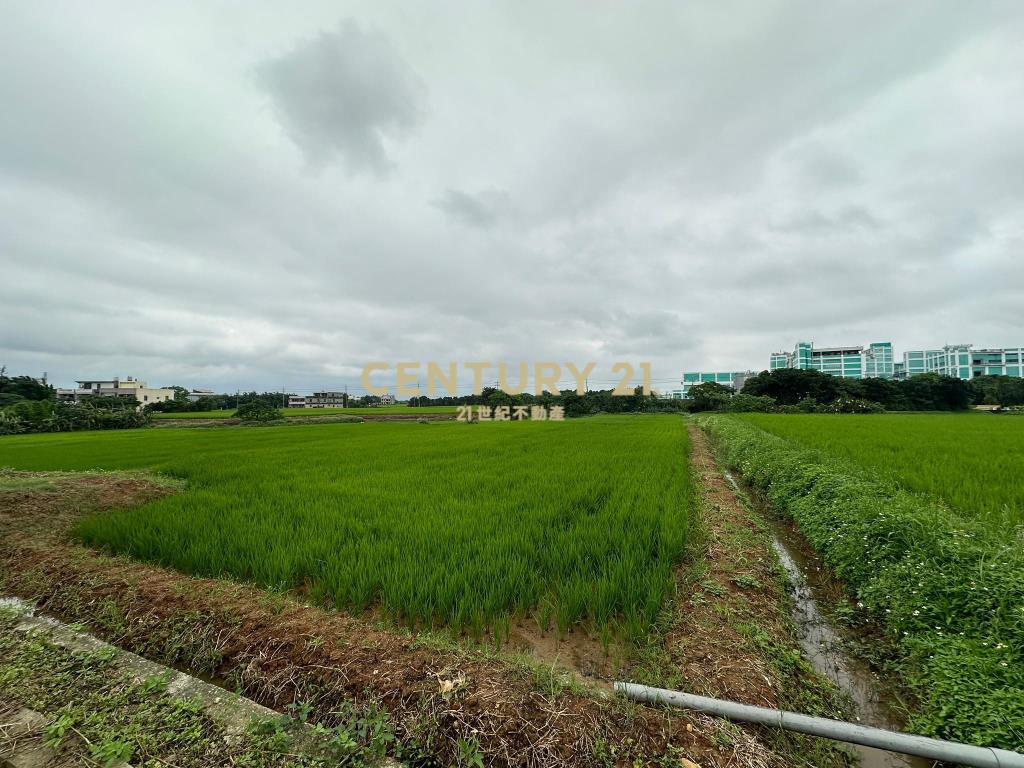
(948,588)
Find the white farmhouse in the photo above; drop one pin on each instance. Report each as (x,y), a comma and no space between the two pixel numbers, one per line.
(127,388)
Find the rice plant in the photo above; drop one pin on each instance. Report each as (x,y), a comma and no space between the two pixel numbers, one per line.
(974,462)
(447,524)
(946,585)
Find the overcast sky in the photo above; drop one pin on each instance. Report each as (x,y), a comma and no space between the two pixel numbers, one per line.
(266,195)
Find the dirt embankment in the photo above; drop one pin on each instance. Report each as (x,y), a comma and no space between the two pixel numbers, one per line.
(737,589)
(280,651)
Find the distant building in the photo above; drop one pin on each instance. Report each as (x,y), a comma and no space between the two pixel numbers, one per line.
(195,395)
(387,399)
(849,362)
(326,400)
(734,379)
(962,361)
(126,388)
(297,401)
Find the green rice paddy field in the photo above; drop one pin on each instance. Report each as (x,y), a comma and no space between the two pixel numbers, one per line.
(227,413)
(973,462)
(443,523)
(920,516)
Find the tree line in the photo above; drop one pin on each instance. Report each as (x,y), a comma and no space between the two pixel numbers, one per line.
(791,389)
(221,402)
(30,405)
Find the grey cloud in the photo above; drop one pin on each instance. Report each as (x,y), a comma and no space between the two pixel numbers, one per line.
(346,92)
(824,168)
(687,186)
(482,209)
(848,220)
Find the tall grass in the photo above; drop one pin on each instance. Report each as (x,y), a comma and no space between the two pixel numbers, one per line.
(456,524)
(974,462)
(948,587)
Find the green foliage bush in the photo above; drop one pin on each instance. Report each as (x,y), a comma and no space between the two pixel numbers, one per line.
(750,404)
(927,392)
(846,404)
(948,590)
(50,416)
(258,411)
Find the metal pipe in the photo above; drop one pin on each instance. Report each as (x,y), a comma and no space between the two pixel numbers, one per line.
(908,744)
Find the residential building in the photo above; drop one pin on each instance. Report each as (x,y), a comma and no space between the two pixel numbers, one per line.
(962,361)
(734,379)
(387,399)
(195,395)
(327,400)
(127,388)
(296,401)
(851,362)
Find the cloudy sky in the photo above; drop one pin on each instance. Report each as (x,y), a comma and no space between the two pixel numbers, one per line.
(246,195)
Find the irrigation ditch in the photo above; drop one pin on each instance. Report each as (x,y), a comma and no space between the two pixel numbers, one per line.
(826,645)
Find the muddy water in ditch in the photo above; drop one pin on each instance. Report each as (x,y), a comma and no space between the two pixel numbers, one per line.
(822,644)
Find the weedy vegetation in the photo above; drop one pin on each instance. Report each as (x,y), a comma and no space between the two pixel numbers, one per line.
(942,574)
(455,525)
(113,718)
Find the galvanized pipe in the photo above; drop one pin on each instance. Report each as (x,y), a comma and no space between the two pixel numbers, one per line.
(908,744)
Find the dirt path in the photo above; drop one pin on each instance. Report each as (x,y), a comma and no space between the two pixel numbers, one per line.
(449,700)
(731,636)
(712,644)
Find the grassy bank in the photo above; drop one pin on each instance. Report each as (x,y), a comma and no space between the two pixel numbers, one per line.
(947,586)
(447,523)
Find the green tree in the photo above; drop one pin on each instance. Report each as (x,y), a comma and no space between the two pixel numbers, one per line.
(932,392)
(997,390)
(788,386)
(709,396)
(258,411)
(24,387)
